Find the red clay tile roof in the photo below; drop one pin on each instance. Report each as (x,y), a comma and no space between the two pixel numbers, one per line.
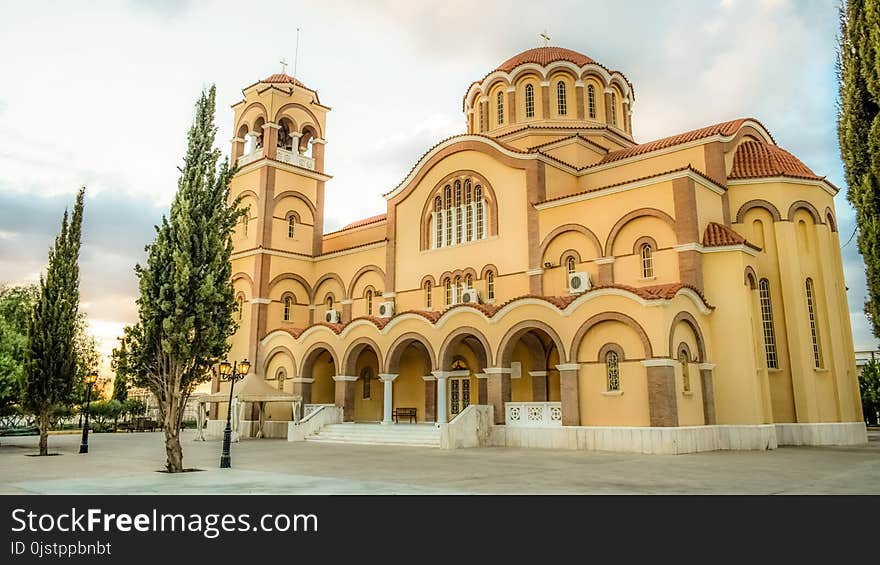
(282,78)
(365,221)
(754,159)
(544,56)
(719,235)
(724,128)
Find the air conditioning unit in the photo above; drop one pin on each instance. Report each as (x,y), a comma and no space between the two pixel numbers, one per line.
(578,283)
(332,317)
(470,295)
(386,309)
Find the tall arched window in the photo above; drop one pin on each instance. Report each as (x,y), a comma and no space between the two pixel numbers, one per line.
(814,324)
(458,212)
(685,370)
(244,225)
(428,289)
(329,303)
(366,379)
(570,265)
(288,303)
(291,226)
(530,101)
(469,211)
(240,305)
(767,324)
(490,285)
(591,100)
(499,104)
(447,204)
(448,288)
(480,206)
(280,376)
(469,282)
(612,371)
(438,222)
(456,290)
(614,109)
(647,261)
(369,298)
(459,215)
(561,103)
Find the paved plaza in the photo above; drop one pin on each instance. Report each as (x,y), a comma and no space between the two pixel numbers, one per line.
(127,464)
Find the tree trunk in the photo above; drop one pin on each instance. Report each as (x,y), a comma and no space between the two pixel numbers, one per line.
(173,451)
(43,424)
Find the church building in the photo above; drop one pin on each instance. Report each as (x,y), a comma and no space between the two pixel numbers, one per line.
(545,280)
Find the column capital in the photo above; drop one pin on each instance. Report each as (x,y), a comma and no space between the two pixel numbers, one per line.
(344,378)
(318,141)
(497,370)
(659,362)
(271,125)
(706,366)
(387,377)
(482,376)
(537,373)
(302,380)
(440,374)
(603,260)
(428,378)
(568,367)
(237,140)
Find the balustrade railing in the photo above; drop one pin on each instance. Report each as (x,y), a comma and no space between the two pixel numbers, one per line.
(533,414)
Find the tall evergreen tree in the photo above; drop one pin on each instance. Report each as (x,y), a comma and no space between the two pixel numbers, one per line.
(50,359)
(120,379)
(16,306)
(186,304)
(859,133)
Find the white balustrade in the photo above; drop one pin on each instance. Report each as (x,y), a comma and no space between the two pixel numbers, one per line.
(250,157)
(533,414)
(309,408)
(293,158)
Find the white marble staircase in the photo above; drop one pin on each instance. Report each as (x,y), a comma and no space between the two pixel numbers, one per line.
(417,435)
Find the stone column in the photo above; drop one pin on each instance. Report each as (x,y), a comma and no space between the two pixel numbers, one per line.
(498,390)
(627,116)
(303,387)
(580,95)
(569,375)
(345,396)
(539,386)
(662,401)
(388,398)
(545,99)
(484,113)
(606,270)
(441,376)
(511,105)
(687,232)
(346,310)
(482,388)
(270,140)
(430,398)
(255,136)
(608,107)
(708,388)
(237,149)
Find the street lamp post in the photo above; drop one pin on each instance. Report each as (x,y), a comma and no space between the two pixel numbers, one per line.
(231,373)
(90,379)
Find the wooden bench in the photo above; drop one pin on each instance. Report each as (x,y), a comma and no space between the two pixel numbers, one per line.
(144,424)
(404,413)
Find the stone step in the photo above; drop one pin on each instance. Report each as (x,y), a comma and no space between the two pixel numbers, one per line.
(377,434)
(349,441)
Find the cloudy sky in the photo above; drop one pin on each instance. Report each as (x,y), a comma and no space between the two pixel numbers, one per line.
(101,94)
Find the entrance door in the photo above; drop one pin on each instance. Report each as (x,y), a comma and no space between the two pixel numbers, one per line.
(459,395)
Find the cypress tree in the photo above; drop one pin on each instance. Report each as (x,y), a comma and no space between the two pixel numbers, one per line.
(51,358)
(186,304)
(859,133)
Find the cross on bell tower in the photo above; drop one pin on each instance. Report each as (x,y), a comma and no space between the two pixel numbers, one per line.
(546,37)
(284,64)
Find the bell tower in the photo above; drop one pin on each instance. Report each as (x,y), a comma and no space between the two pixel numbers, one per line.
(278,147)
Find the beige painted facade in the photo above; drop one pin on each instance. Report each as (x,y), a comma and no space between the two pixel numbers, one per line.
(717,292)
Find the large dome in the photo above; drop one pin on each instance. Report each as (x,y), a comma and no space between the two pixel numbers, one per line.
(544,56)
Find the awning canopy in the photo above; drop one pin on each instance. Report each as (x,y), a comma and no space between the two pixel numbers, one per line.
(252,388)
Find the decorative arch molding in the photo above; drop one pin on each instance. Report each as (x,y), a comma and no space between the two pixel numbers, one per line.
(489,267)
(395,352)
(298,195)
(688,318)
(444,359)
(508,342)
(645,239)
(312,353)
(459,273)
(428,279)
(569,253)
(476,180)
(750,277)
(611,317)
(264,113)
(245,277)
(362,271)
(804,205)
(277,350)
(354,350)
(634,215)
(282,113)
(565,228)
(829,219)
(609,347)
(248,193)
(293,277)
(682,346)
(327,278)
(758,203)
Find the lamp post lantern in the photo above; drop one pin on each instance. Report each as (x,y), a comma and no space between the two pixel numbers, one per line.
(231,373)
(90,379)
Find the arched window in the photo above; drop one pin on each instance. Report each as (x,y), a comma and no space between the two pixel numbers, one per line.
(490,285)
(561,104)
(240,305)
(280,376)
(438,222)
(469,211)
(369,299)
(428,289)
(244,225)
(591,100)
(288,302)
(767,324)
(614,109)
(447,197)
(291,226)
(329,303)
(685,370)
(366,379)
(570,264)
(647,261)
(530,101)
(456,289)
(758,233)
(447,204)
(499,103)
(814,324)
(469,282)
(612,371)
(448,284)
(458,212)
(480,206)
